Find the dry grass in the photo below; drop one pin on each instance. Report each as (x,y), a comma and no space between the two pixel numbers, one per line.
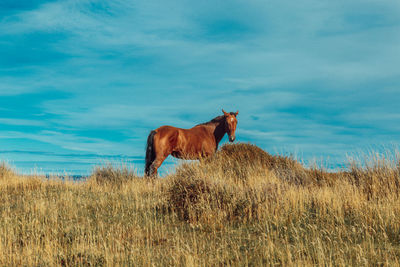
(112,175)
(241,207)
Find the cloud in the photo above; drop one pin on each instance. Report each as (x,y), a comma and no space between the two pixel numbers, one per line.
(69,141)
(21,122)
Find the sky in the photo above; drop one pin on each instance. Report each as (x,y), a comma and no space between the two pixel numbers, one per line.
(82,83)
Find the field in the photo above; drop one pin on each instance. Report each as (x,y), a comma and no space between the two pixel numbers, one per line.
(243,207)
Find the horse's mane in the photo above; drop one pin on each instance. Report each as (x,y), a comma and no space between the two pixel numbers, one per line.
(216,119)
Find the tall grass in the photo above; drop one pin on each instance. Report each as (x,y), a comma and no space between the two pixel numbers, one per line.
(240,207)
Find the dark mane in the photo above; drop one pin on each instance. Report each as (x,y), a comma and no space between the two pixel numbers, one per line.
(216,119)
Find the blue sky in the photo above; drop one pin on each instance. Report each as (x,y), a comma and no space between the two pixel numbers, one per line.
(83,82)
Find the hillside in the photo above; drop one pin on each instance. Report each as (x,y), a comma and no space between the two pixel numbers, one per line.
(241,207)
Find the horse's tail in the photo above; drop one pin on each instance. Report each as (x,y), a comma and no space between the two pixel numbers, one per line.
(150,153)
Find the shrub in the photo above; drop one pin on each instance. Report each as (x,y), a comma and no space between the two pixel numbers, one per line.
(376,179)
(242,161)
(112,175)
(233,185)
(5,171)
(199,199)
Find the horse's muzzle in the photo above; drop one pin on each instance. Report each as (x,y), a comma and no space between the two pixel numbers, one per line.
(231,138)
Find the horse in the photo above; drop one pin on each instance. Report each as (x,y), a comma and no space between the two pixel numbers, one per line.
(197,142)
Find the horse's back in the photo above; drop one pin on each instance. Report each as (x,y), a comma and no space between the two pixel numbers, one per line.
(168,138)
(167,133)
(166,129)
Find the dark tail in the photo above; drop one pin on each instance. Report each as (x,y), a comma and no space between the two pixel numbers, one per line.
(150,153)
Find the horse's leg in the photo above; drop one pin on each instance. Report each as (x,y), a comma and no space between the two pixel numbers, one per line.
(156,164)
(163,150)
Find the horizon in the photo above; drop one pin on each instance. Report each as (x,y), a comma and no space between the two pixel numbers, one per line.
(83,82)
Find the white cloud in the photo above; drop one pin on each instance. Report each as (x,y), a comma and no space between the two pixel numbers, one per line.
(22,122)
(73,142)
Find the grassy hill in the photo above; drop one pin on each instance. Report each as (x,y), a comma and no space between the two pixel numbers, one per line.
(241,207)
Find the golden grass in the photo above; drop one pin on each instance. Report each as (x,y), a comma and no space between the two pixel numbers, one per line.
(241,207)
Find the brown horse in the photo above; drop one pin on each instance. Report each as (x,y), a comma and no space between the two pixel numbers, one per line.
(200,141)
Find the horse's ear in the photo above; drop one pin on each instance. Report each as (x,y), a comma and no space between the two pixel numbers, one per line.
(237,112)
(226,114)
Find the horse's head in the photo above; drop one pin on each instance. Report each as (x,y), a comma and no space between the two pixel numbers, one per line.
(230,124)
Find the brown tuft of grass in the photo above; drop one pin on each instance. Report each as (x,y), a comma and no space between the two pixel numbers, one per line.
(243,161)
(198,199)
(248,155)
(111,175)
(5,171)
(377,179)
(231,186)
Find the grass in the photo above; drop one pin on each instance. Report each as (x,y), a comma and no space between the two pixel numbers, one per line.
(243,207)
